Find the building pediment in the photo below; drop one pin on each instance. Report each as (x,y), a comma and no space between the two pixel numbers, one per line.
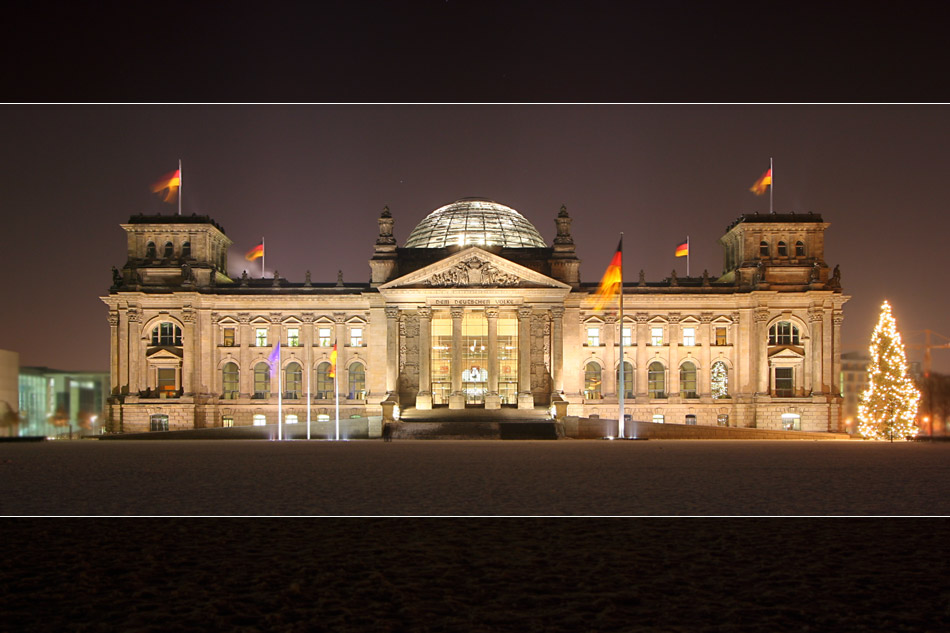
(474,268)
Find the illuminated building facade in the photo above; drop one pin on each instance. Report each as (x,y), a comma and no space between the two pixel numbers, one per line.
(477,310)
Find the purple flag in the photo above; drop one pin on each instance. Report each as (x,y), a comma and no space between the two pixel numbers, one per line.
(274,358)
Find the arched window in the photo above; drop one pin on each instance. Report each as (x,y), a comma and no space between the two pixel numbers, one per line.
(719,380)
(782,249)
(627,379)
(150,252)
(799,248)
(357,380)
(293,377)
(592,380)
(230,380)
(763,249)
(656,380)
(186,249)
(261,380)
(783,333)
(166,334)
(324,381)
(688,380)
(169,250)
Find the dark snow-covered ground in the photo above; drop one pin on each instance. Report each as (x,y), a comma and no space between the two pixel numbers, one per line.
(482,574)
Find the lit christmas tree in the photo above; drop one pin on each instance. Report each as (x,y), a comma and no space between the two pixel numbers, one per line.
(889,406)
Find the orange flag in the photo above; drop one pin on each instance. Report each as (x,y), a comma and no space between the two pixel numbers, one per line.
(171,182)
(611,283)
(333,362)
(760,185)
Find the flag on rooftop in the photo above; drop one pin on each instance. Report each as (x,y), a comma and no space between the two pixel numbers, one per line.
(682,249)
(169,183)
(764,181)
(610,284)
(254,253)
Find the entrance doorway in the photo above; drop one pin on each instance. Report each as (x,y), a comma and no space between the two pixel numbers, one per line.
(474,357)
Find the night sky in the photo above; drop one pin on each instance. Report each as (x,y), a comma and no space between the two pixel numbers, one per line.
(312,180)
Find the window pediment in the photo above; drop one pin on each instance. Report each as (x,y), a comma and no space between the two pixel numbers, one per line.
(795,352)
(164,353)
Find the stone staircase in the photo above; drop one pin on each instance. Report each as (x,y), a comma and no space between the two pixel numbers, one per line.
(475,424)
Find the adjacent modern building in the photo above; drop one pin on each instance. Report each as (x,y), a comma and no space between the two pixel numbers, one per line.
(9,386)
(56,403)
(476,310)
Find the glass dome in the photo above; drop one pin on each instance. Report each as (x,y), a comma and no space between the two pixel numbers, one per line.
(475,221)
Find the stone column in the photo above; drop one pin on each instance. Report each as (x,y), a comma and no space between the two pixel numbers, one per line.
(114,380)
(525,397)
(705,340)
(738,379)
(339,339)
(392,348)
(456,397)
(760,348)
(673,346)
(137,368)
(813,384)
(274,334)
(836,319)
(424,397)
(246,377)
(306,340)
(492,399)
(642,379)
(189,351)
(557,350)
(609,386)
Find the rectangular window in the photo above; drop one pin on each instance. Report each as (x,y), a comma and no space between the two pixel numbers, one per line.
(791,422)
(158,422)
(722,419)
(658,418)
(689,336)
(356,337)
(656,336)
(229,336)
(593,336)
(626,334)
(260,337)
(290,418)
(691,420)
(260,419)
(720,335)
(784,385)
(166,380)
(227,421)
(293,337)
(323,337)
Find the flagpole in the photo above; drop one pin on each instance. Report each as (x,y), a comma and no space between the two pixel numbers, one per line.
(771,184)
(309,371)
(687,255)
(179,186)
(622,381)
(262,256)
(336,390)
(280,393)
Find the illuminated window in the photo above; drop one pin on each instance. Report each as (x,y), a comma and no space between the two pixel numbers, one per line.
(158,422)
(626,335)
(356,337)
(719,380)
(656,380)
(592,380)
(593,336)
(656,336)
(791,422)
(166,380)
(799,249)
(227,421)
(324,381)
(293,377)
(720,335)
(293,337)
(186,249)
(658,418)
(627,379)
(260,337)
(323,337)
(357,381)
(260,419)
(782,249)
(290,418)
(230,381)
(166,334)
(689,336)
(150,251)
(169,250)
(763,249)
(261,380)
(722,419)
(783,333)
(784,382)
(688,380)
(323,417)
(229,336)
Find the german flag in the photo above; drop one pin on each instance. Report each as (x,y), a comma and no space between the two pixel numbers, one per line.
(170,182)
(254,253)
(333,362)
(611,284)
(682,250)
(760,185)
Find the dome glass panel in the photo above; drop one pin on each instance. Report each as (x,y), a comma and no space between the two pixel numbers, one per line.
(475,222)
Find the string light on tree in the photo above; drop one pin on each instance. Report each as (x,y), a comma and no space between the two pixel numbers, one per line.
(888,407)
